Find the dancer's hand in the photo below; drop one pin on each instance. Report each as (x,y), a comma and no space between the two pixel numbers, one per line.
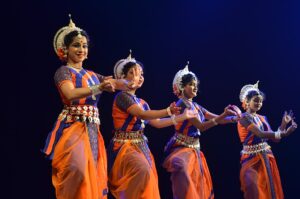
(174,109)
(229,111)
(237,111)
(286,119)
(137,78)
(107,85)
(291,129)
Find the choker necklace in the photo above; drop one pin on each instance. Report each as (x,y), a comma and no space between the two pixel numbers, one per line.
(253,114)
(190,100)
(78,68)
(133,94)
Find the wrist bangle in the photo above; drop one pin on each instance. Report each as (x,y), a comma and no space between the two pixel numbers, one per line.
(281,130)
(95,91)
(173,120)
(214,121)
(169,111)
(277,134)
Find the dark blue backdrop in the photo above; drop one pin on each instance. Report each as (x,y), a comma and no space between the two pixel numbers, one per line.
(229,43)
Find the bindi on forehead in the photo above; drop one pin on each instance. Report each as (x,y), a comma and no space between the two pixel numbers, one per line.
(258,98)
(80,40)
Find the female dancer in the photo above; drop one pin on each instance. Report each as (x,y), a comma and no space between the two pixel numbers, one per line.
(131,164)
(189,171)
(75,145)
(259,174)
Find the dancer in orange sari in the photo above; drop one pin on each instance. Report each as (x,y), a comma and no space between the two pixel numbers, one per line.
(259,174)
(190,175)
(132,171)
(75,145)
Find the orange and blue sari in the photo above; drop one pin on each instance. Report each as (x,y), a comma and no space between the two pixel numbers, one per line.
(75,145)
(190,175)
(132,171)
(259,173)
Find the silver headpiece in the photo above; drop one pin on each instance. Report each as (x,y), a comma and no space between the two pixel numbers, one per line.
(118,68)
(58,41)
(246,89)
(177,85)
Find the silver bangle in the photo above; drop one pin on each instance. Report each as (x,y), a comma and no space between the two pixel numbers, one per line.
(169,111)
(214,121)
(281,132)
(277,134)
(95,89)
(173,120)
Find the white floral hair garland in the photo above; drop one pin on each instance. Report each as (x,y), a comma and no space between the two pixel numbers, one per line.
(177,81)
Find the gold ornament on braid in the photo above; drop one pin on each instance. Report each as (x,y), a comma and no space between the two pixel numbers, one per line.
(58,41)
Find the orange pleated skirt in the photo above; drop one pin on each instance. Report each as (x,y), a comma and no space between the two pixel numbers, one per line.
(75,174)
(190,175)
(255,181)
(132,175)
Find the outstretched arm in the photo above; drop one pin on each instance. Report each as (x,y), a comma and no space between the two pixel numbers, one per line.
(164,122)
(274,135)
(214,119)
(262,134)
(232,110)
(291,129)
(71,93)
(137,111)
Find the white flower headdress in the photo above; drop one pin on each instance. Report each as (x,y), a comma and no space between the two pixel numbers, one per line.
(177,81)
(118,68)
(246,89)
(58,41)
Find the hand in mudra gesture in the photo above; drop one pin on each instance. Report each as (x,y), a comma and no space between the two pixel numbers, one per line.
(106,85)
(232,110)
(137,78)
(175,110)
(287,117)
(291,129)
